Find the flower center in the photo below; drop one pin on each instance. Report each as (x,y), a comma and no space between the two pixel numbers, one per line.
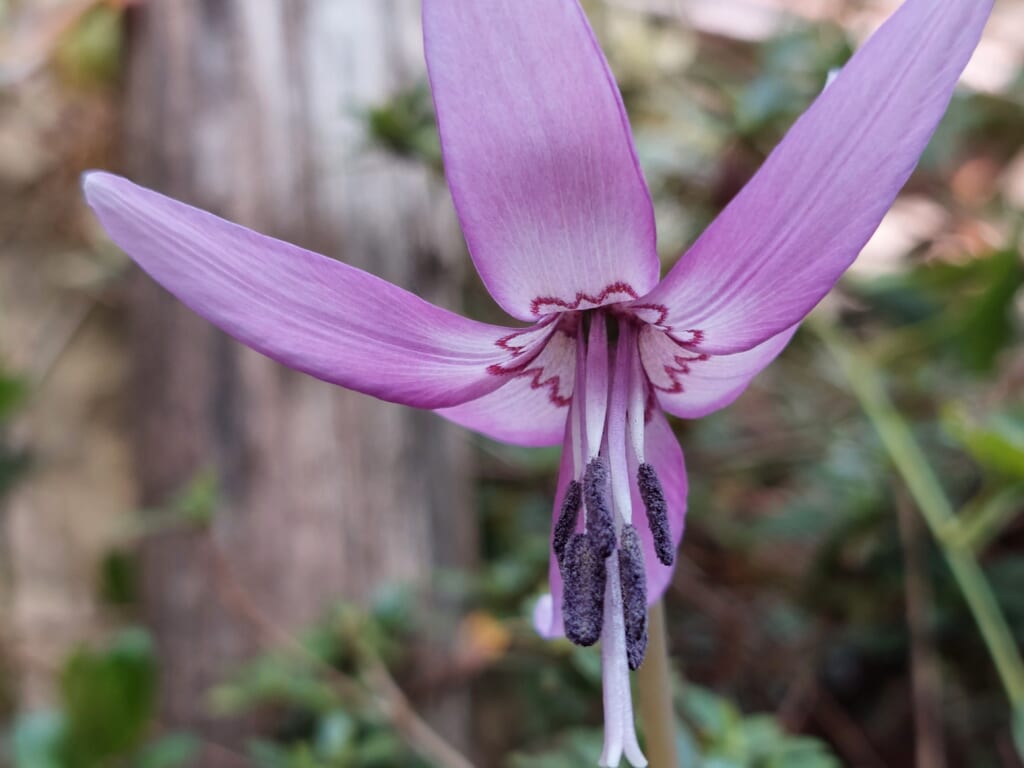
(599,550)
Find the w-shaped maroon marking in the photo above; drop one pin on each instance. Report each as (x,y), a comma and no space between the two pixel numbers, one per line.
(554,303)
(553,381)
(660,314)
(657,318)
(681,367)
(534,366)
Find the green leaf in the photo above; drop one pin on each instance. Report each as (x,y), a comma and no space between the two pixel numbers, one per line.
(171,751)
(334,734)
(108,698)
(37,740)
(198,502)
(406,126)
(90,52)
(995,440)
(119,578)
(963,310)
(13,392)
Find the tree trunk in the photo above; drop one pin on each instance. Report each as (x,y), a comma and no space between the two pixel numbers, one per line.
(251,109)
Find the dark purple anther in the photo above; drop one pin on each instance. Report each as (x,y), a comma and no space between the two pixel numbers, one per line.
(634,595)
(657,513)
(597,490)
(584,576)
(567,518)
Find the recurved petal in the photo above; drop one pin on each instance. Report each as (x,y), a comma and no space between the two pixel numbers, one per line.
(691,384)
(785,239)
(539,155)
(531,408)
(307,311)
(661,449)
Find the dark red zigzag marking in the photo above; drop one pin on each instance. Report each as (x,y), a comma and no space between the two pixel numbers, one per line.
(661,309)
(538,382)
(608,290)
(681,367)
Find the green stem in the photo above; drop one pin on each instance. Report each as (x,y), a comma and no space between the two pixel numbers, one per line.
(866,383)
(981,525)
(655,683)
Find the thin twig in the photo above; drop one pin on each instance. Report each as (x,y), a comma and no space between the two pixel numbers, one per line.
(926,681)
(386,695)
(848,736)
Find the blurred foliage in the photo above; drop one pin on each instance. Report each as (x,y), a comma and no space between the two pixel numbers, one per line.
(192,507)
(405,126)
(711,733)
(13,392)
(89,53)
(790,599)
(104,716)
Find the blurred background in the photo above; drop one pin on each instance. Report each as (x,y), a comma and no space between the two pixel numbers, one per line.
(208,560)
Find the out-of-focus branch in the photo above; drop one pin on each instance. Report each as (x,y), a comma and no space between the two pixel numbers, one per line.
(926,681)
(382,691)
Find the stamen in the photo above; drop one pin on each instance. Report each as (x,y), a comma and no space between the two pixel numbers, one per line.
(634,595)
(637,403)
(584,576)
(577,410)
(657,513)
(567,518)
(616,438)
(597,489)
(596,382)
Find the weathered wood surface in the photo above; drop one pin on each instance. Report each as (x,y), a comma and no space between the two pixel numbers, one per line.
(250,108)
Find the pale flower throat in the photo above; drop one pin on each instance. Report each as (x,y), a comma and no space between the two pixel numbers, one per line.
(598,549)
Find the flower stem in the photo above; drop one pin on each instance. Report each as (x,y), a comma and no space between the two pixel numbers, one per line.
(655,683)
(906,455)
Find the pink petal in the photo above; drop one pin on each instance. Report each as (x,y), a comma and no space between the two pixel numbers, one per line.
(692,384)
(311,313)
(786,238)
(661,449)
(532,407)
(539,155)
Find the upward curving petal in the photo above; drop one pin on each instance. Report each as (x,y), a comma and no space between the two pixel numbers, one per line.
(538,154)
(311,313)
(786,238)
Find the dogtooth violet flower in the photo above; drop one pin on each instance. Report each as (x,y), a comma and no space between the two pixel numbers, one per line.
(559,223)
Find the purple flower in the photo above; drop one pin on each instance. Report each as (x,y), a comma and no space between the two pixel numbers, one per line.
(559,223)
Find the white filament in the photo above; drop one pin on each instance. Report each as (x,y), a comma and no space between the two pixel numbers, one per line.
(619,732)
(596,383)
(637,402)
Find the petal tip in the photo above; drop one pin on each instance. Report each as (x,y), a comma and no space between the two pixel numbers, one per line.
(95,183)
(544,617)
